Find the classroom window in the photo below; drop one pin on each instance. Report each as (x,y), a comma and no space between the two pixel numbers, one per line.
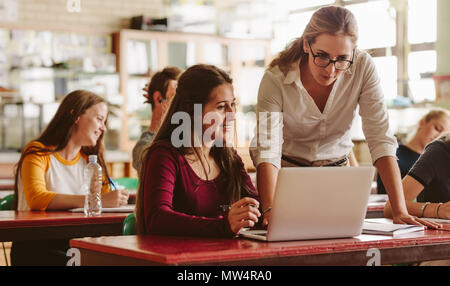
(295,4)
(285,32)
(421,65)
(376,24)
(387,70)
(422,26)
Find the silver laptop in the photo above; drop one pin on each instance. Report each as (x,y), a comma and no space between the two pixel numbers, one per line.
(317,203)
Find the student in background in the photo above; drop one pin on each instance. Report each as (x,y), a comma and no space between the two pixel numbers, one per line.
(428,181)
(307,100)
(431,126)
(159,93)
(199,187)
(49,174)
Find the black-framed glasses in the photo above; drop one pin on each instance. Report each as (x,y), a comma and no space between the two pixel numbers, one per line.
(323,61)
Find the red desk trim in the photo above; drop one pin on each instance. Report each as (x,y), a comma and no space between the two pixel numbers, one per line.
(21,219)
(203,250)
(375,208)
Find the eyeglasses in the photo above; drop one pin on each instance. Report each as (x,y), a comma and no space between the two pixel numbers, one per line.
(323,61)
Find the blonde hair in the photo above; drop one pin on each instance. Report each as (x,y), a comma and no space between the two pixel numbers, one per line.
(332,20)
(436,114)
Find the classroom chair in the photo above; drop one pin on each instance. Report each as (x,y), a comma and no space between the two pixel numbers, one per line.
(128,183)
(6,203)
(129,225)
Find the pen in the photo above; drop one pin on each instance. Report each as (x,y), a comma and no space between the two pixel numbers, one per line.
(113,183)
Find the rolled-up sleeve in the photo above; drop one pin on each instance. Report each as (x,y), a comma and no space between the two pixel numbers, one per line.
(266,145)
(373,111)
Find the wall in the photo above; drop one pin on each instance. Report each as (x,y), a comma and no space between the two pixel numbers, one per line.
(95,15)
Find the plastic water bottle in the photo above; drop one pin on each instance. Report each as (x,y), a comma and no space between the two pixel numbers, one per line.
(93,184)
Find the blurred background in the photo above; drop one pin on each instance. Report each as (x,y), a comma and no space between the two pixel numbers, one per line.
(112,47)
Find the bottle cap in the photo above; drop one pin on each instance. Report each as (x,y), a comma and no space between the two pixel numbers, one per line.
(92,158)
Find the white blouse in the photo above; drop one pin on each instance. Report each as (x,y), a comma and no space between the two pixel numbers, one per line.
(290,123)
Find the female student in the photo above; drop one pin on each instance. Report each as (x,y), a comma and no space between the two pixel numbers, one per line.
(307,100)
(49,174)
(431,126)
(428,182)
(191,182)
(159,93)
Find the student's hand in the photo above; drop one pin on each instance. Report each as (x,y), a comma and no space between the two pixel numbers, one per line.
(409,219)
(115,199)
(243,213)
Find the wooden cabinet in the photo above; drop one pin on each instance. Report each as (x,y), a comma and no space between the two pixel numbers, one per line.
(141,53)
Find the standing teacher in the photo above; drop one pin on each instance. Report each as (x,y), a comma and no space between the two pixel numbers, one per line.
(307,100)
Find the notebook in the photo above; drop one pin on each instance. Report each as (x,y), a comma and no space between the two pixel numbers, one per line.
(317,203)
(445,222)
(123,209)
(390,229)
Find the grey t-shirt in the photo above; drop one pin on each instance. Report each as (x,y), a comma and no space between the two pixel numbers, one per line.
(146,138)
(432,170)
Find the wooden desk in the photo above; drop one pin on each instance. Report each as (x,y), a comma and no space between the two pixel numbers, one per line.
(36,225)
(375,210)
(165,250)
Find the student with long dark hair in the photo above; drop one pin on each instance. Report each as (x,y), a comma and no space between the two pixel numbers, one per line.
(49,174)
(192,182)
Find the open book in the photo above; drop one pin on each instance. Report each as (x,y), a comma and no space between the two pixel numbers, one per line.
(124,209)
(386,227)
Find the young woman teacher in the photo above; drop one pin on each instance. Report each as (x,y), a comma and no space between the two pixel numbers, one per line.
(307,100)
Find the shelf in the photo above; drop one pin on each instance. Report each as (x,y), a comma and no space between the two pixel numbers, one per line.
(159,51)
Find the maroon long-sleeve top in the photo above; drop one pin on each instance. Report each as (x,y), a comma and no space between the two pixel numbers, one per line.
(178,202)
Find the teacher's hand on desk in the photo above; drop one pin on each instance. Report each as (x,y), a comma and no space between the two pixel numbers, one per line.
(243,213)
(115,199)
(409,219)
(405,218)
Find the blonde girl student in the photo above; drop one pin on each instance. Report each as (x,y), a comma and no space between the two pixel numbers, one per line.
(49,174)
(192,182)
(428,181)
(307,100)
(427,186)
(430,127)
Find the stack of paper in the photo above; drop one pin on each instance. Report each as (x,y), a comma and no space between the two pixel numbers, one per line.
(386,227)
